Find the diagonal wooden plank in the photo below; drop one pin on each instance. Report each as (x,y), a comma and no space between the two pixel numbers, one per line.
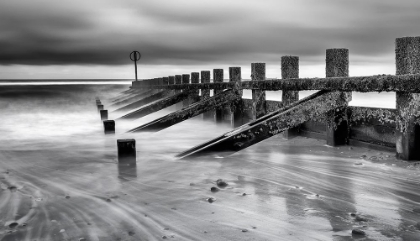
(157,106)
(270,124)
(135,97)
(144,101)
(221,99)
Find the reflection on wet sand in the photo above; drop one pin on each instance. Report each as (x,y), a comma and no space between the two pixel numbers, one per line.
(61,180)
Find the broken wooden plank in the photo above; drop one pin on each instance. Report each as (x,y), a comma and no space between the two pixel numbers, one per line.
(221,99)
(270,124)
(144,101)
(146,110)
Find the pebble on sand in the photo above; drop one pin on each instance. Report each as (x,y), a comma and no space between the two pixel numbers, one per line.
(221,183)
(361,219)
(244,230)
(210,200)
(13,225)
(214,189)
(358,232)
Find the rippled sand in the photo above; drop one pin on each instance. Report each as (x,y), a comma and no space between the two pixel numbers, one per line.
(60,180)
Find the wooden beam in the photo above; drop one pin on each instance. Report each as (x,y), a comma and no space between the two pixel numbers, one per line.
(270,124)
(149,109)
(221,99)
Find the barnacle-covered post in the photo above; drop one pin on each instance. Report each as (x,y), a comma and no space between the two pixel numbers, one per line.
(195,94)
(258,96)
(236,107)
(407,58)
(217,78)
(205,93)
(185,80)
(337,65)
(290,70)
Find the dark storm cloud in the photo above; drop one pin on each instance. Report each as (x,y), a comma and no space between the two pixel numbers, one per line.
(196,32)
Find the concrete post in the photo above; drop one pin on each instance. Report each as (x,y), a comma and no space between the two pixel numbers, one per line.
(337,65)
(407,58)
(290,70)
(104,114)
(236,108)
(218,78)
(126,150)
(109,126)
(258,96)
(185,80)
(205,78)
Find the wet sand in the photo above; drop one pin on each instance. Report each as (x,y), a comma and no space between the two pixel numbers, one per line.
(60,180)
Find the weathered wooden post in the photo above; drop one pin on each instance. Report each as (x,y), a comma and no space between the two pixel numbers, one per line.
(236,108)
(100,107)
(185,80)
(290,70)
(195,79)
(407,58)
(126,150)
(109,126)
(165,80)
(337,65)
(258,96)
(171,80)
(205,78)
(178,81)
(218,78)
(104,114)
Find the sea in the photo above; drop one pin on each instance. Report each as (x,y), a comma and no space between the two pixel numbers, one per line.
(60,178)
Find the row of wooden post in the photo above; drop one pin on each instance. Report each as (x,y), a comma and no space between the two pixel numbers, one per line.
(337,65)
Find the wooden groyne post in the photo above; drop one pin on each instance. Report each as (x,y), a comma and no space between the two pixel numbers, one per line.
(407,58)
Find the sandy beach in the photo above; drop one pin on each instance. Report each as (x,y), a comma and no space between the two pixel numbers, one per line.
(60,180)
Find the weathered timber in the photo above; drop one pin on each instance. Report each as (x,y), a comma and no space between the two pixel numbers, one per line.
(144,101)
(134,98)
(236,107)
(337,65)
(146,110)
(109,126)
(186,80)
(205,78)
(407,52)
(126,150)
(376,83)
(289,70)
(270,124)
(258,96)
(104,114)
(218,78)
(221,99)
(129,95)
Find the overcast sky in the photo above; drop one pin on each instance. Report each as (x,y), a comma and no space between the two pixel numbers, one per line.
(93,38)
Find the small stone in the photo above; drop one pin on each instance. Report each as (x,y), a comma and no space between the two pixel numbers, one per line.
(317,195)
(254,227)
(166,229)
(211,200)
(221,183)
(244,194)
(192,184)
(357,232)
(353,214)
(108,200)
(205,231)
(361,219)
(214,189)
(131,233)
(363,156)
(67,196)
(62,230)
(82,239)
(13,225)
(12,188)
(164,237)
(244,230)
